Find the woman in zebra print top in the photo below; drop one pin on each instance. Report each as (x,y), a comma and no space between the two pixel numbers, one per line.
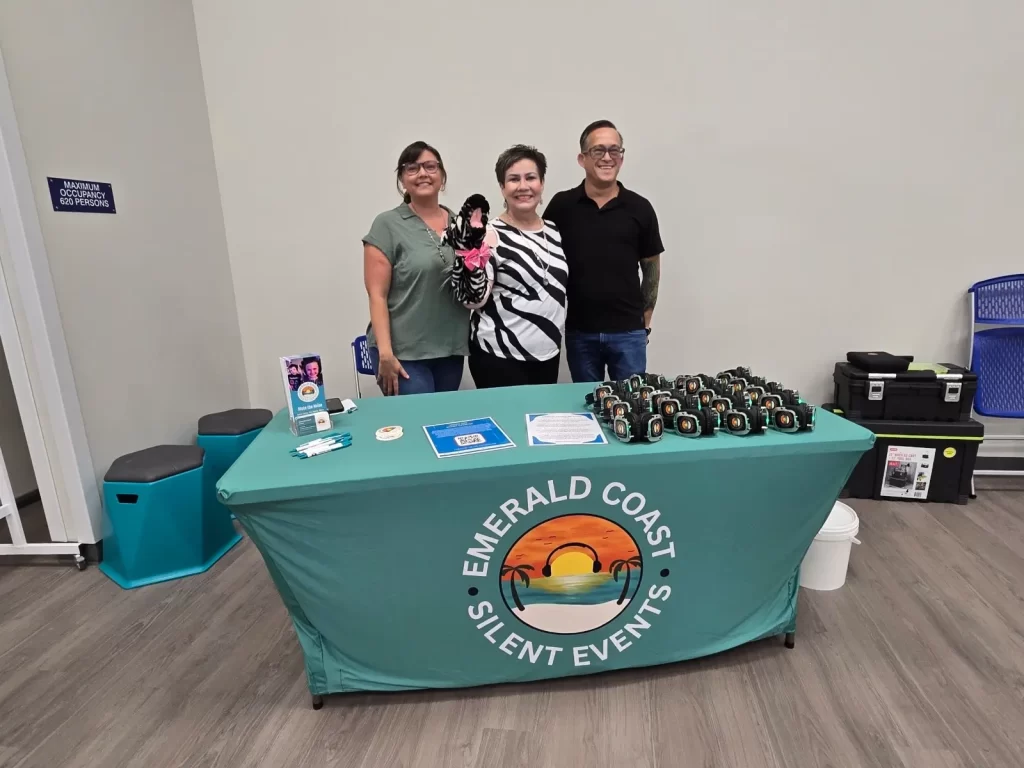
(516,332)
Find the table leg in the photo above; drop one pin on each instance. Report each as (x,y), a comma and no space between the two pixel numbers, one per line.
(318,702)
(791,639)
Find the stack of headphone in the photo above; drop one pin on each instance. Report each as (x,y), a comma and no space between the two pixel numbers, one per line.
(628,406)
(642,407)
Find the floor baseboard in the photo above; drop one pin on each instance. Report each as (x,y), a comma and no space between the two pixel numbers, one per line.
(1001,463)
(93,553)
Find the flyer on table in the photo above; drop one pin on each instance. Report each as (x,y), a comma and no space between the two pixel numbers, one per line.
(564,429)
(303,379)
(458,438)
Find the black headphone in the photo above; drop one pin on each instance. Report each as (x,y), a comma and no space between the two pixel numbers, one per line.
(546,570)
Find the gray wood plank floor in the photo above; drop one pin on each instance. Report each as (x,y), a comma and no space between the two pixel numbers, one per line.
(917,662)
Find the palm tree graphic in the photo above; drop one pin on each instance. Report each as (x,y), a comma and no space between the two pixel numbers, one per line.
(521,572)
(618,565)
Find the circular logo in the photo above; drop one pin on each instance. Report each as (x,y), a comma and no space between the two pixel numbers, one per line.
(571,574)
(389,433)
(308,391)
(949,453)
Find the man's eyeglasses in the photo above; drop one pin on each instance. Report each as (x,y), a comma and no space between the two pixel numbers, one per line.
(430,166)
(614,152)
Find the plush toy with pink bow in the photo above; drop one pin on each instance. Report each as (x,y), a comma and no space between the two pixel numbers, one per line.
(467,278)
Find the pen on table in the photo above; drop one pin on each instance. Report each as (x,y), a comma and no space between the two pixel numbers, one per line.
(322,439)
(316,450)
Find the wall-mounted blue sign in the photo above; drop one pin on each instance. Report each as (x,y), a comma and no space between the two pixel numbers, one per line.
(81,196)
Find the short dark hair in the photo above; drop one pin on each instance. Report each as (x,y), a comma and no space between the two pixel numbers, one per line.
(410,155)
(593,127)
(514,154)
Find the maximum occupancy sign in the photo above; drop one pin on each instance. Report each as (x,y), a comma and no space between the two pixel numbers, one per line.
(78,196)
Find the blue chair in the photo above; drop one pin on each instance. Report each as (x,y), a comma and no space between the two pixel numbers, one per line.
(361,363)
(154,526)
(997,354)
(224,436)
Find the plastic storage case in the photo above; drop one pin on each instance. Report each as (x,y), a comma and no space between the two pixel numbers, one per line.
(916,395)
(917,461)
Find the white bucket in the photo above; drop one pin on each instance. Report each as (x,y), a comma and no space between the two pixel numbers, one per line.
(824,566)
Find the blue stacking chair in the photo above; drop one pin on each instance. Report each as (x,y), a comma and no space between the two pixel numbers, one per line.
(997,354)
(154,525)
(361,363)
(224,436)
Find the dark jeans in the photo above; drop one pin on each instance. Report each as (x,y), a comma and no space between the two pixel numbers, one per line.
(588,353)
(492,371)
(439,374)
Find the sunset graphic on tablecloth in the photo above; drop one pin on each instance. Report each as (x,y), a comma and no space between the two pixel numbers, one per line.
(571,574)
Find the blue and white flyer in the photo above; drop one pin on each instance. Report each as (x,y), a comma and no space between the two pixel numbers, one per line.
(459,438)
(564,429)
(304,388)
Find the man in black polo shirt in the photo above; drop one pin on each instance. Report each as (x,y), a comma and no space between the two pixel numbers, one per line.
(610,237)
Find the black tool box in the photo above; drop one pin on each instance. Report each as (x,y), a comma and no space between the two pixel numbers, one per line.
(943,393)
(917,461)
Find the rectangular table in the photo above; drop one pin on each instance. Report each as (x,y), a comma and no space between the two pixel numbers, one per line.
(403,571)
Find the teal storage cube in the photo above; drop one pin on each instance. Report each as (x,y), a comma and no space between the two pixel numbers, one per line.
(155,523)
(225,436)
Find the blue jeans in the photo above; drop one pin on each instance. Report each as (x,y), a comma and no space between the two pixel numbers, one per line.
(438,374)
(588,354)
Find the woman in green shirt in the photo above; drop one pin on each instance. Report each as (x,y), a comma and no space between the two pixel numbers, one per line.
(418,335)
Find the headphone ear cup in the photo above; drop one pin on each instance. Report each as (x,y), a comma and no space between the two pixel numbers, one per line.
(597,566)
(805,413)
(546,570)
(707,419)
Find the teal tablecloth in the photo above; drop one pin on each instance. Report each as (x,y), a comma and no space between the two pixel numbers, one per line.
(401,570)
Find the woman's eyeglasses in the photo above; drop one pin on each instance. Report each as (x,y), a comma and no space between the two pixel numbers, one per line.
(411,169)
(614,152)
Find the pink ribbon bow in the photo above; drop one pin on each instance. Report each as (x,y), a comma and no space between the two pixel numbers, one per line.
(476,258)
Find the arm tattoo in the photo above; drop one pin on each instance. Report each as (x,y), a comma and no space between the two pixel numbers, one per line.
(651,269)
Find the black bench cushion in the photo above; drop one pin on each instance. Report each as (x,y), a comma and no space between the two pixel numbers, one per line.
(156,463)
(237,421)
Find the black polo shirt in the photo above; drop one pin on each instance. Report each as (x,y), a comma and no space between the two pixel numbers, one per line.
(604,247)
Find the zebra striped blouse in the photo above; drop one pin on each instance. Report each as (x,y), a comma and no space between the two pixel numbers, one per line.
(524,316)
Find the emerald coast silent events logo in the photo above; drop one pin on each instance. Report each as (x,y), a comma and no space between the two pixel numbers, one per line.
(601,565)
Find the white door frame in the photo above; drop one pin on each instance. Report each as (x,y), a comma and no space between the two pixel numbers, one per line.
(33,434)
(37,354)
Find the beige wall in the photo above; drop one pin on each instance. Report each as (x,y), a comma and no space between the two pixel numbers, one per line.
(851,167)
(111,90)
(12,436)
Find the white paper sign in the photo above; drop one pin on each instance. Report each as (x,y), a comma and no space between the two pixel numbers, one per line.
(564,429)
(908,472)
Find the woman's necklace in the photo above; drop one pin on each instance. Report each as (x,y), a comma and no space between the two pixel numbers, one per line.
(433,238)
(547,249)
(437,244)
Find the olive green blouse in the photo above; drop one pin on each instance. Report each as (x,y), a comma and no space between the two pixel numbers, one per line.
(426,322)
